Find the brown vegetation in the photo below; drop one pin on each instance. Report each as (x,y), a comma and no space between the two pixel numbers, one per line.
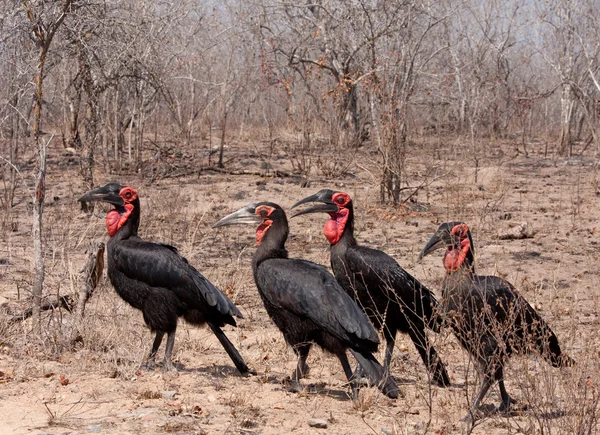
(423,112)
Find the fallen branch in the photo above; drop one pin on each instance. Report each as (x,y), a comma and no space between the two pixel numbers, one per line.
(91,274)
(263,174)
(67,302)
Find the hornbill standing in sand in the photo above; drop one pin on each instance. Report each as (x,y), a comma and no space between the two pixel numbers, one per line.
(155,279)
(389,295)
(490,318)
(306,303)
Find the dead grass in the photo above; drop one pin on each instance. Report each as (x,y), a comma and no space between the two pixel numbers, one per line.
(557,271)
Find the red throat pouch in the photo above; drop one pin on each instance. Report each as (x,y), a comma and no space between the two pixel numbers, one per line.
(262,230)
(114,220)
(455,257)
(334,227)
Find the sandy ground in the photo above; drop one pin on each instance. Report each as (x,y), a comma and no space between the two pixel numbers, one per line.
(48,386)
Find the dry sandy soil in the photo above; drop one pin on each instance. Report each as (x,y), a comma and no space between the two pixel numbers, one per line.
(50,386)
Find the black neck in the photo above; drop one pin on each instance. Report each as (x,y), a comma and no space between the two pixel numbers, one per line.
(272,244)
(347,238)
(469,263)
(130,228)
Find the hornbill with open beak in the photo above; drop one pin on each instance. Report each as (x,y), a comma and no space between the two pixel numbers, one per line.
(306,303)
(490,318)
(389,295)
(155,279)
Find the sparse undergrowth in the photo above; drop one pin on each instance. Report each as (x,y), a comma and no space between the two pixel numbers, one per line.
(83,376)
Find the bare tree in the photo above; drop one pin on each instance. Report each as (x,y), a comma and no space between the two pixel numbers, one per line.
(45,19)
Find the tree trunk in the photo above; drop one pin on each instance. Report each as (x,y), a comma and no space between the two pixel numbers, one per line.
(90,129)
(223,127)
(40,194)
(566,111)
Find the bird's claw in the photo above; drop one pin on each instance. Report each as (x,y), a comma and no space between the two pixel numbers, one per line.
(510,408)
(294,387)
(168,367)
(148,365)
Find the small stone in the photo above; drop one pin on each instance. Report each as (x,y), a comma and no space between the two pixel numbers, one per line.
(516,232)
(75,390)
(168,395)
(319,423)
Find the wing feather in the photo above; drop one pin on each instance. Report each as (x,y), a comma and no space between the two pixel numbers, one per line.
(310,291)
(160,265)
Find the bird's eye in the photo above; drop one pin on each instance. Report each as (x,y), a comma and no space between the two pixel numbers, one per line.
(342,199)
(128,194)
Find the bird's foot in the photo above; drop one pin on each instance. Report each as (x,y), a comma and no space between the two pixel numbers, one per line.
(169,367)
(478,413)
(512,407)
(294,387)
(149,364)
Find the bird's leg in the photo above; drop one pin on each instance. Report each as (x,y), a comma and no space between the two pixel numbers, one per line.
(429,356)
(150,362)
(354,385)
(168,364)
(390,338)
(507,401)
(472,415)
(301,368)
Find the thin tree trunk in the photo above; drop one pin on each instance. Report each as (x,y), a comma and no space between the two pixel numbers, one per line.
(40,194)
(566,111)
(223,126)
(86,159)
(117,131)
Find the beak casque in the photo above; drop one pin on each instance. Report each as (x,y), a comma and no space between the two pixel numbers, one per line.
(323,197)
(245,215)
(102,194)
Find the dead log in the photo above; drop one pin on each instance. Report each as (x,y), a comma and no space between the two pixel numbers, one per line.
(67,302)
(91,273)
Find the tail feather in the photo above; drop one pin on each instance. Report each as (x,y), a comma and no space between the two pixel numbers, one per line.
(554,355)
(230,349)
(375,373)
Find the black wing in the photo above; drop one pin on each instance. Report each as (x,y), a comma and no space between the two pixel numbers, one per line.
(309,291)
(523,327)
(160,265)
(382,274)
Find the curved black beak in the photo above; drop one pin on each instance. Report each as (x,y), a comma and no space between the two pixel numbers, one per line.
(323,197)
(245,215)
(433,244)
(108,193)
(440,239)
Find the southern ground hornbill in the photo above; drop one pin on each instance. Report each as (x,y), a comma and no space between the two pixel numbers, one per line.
(389,295)
(306,303)
(155,279)
(490,318)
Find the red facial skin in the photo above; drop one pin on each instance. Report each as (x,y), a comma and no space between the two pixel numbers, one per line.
(455,257)
(114,219)
(264,211)
(334,227)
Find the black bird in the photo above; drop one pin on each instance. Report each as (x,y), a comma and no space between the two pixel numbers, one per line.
(306,303)
(388,294)
(490,318)
(155,279)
